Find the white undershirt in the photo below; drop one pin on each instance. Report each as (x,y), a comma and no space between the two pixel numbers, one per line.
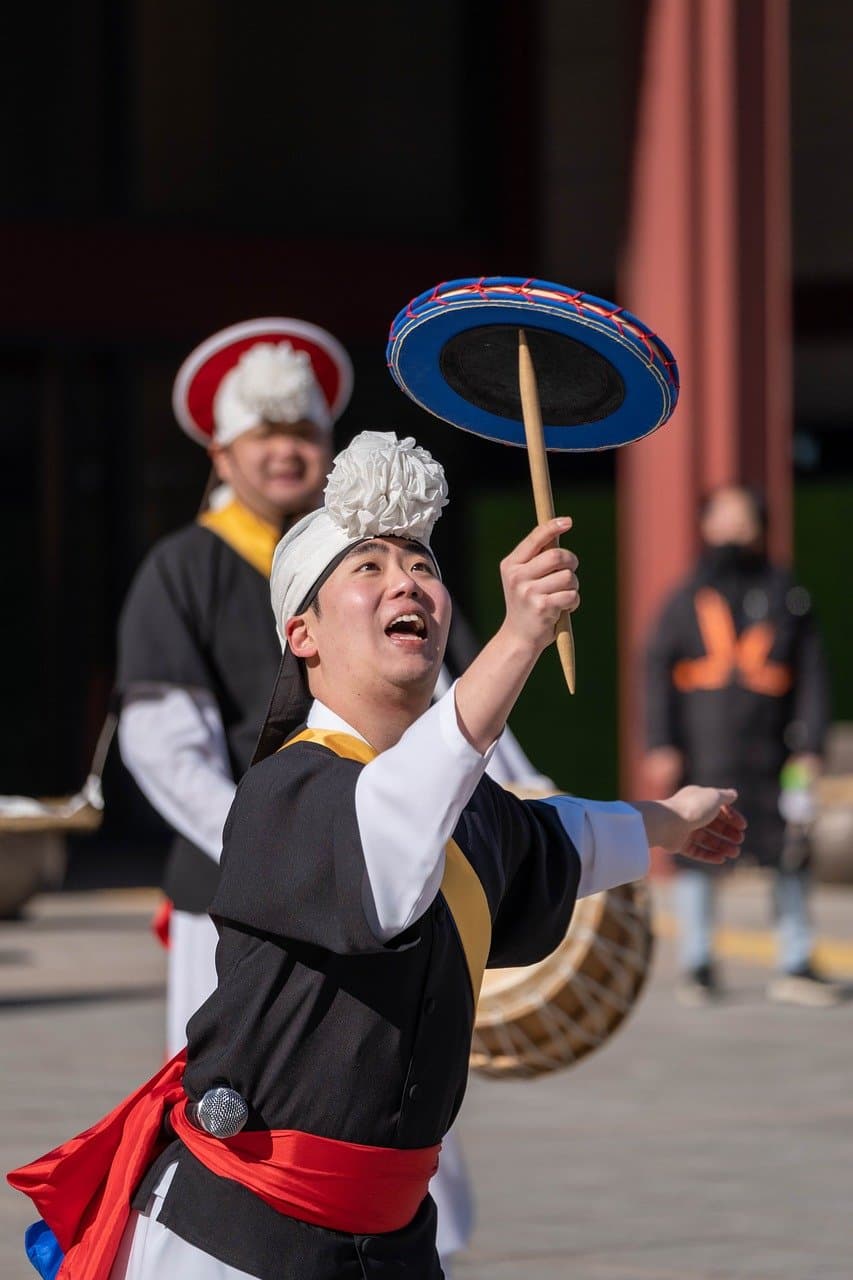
(173,743)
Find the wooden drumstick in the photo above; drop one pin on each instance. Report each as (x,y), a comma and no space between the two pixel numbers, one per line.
(543,497)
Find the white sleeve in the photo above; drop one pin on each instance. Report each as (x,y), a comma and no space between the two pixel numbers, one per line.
(173,742)
(610,838)
(407,803)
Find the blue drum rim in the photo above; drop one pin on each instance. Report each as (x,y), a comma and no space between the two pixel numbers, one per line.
(419,333)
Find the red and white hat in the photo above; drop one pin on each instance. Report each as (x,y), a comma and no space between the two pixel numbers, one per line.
(277,369)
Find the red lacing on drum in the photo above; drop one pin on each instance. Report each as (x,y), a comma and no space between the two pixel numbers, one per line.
(532,291)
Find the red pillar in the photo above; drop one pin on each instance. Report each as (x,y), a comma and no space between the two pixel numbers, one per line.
(706,263)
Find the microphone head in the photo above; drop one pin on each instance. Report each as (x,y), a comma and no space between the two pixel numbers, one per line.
(221,1112)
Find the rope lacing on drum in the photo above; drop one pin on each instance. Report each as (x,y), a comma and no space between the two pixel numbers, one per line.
(533,290)
(506,1047)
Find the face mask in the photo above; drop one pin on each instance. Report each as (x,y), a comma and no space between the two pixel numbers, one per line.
(733,557)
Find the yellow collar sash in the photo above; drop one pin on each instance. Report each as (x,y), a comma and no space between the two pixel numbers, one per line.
(247,534)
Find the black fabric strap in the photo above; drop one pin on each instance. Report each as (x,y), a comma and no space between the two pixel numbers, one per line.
(288,708)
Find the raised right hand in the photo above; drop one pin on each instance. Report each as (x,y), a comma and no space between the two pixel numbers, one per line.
(540,583)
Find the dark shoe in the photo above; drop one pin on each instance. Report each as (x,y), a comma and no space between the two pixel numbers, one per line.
(699,986)
(804,986)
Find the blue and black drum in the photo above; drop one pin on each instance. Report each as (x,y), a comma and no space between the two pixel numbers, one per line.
(604,378)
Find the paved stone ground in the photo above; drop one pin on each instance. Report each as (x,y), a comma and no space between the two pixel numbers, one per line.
(699,1145)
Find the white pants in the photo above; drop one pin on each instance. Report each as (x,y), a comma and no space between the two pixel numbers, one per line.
(150,1252)
(192,973)
(192,978)
(451,1191)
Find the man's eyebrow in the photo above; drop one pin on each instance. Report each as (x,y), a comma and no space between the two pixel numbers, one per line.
(374,545)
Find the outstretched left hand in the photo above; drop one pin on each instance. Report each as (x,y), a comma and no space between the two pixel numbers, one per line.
(698,822)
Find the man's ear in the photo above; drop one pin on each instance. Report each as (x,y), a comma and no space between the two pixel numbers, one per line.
(300,637)
(221,461)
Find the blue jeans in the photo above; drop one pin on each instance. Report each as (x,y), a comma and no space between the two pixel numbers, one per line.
(695,905)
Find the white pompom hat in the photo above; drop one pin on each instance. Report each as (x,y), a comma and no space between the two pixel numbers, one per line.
(378,487)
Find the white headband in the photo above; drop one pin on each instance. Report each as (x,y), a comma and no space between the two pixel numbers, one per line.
(378,486)
(271,382)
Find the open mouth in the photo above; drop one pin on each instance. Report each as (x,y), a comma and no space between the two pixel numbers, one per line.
(409,627)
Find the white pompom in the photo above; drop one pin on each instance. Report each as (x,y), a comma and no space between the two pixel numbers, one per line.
(382,485)
(276,383)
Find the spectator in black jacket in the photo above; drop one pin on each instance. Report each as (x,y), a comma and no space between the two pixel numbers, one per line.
(736,691)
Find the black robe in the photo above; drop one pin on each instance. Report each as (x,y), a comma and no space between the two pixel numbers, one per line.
(321,1027)
(736,680)
(198,616)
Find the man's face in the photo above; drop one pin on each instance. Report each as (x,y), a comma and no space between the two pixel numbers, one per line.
(381,623)
(276,469)
(731,517)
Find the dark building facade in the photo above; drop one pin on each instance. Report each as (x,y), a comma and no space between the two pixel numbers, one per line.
(171,169)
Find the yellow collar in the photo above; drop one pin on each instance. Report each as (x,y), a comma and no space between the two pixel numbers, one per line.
(247,534)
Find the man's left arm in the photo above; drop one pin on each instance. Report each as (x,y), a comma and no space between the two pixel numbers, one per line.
(612,838)
(563,848)
(555,851)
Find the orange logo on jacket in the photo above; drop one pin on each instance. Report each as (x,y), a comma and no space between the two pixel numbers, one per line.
(744,657)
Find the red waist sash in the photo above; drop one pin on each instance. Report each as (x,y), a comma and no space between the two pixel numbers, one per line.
(341,1185)
(83,1188)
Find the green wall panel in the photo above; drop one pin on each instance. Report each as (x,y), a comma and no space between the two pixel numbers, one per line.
(823,514)
(572,739)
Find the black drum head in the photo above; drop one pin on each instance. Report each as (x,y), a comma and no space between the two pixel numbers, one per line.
(577,385)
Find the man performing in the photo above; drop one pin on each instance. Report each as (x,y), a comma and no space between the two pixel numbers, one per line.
(370,871)
(198,651)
